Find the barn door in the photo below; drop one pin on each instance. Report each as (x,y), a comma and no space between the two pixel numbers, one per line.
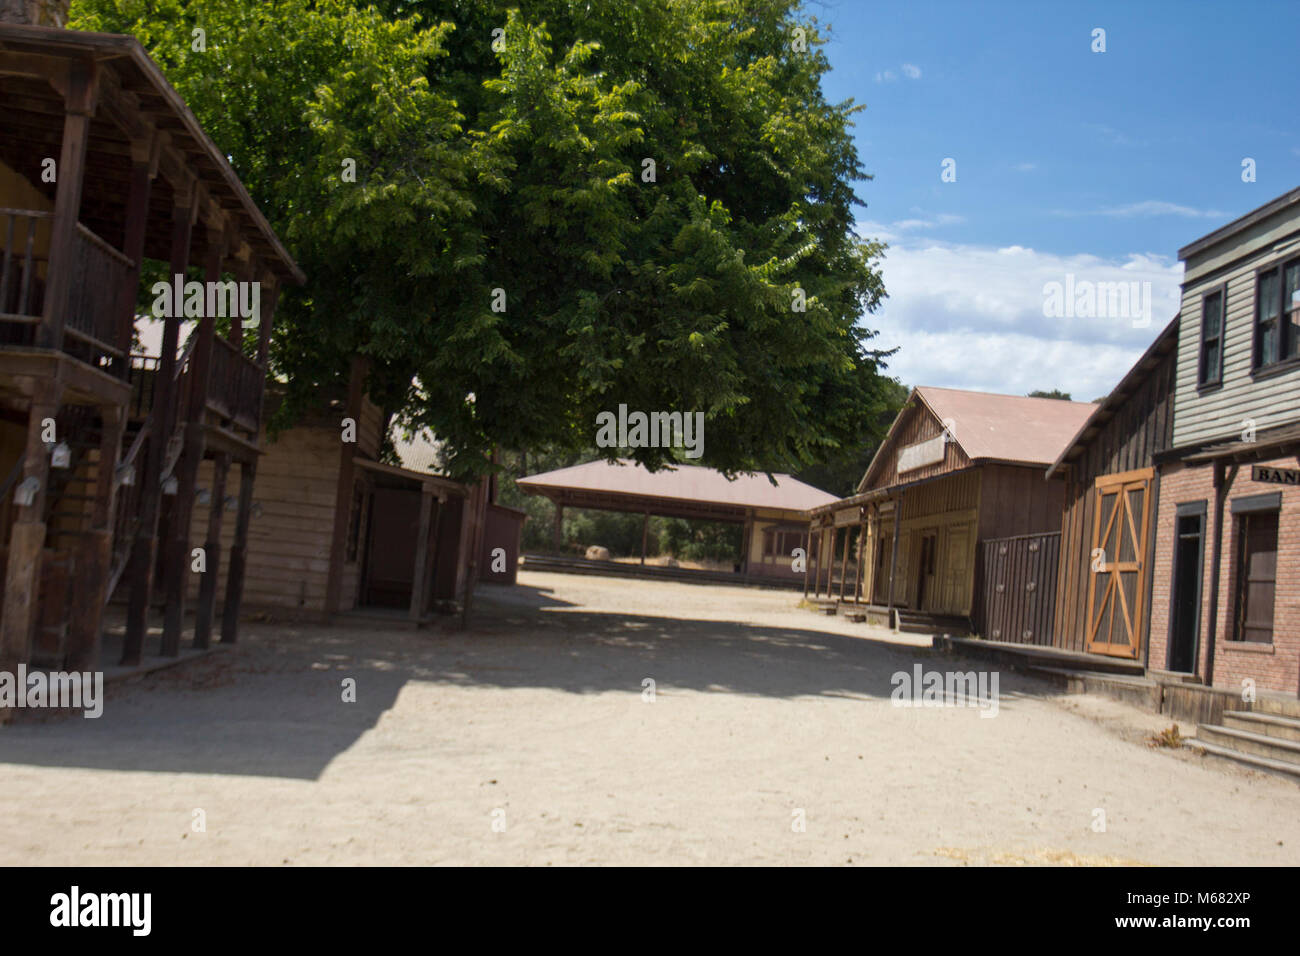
(1117,568)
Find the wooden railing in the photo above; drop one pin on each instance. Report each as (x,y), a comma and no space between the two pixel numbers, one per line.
(235,387)
(22,273)
(101,278)
(100,284)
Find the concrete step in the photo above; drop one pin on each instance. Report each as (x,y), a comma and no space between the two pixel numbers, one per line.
(1250,760)
(1282,705)
(1248,741)
(1270,725)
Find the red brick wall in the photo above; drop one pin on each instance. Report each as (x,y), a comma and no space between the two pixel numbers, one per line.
(1275,667)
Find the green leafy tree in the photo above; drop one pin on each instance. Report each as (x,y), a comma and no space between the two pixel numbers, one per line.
(508,258)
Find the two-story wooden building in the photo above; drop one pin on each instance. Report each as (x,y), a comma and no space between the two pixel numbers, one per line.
(102,165)
(957,471)
(1226,586)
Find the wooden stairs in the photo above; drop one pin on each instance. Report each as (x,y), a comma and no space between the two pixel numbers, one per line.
(1266,737)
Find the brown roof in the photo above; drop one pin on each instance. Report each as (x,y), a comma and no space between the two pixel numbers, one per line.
(683,483)
(1010,428)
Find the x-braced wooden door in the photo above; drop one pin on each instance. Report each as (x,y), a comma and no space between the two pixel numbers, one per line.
(1121,512)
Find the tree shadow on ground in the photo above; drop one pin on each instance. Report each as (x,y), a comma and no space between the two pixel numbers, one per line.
(274,706)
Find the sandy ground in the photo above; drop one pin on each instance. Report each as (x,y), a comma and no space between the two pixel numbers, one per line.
(527,741)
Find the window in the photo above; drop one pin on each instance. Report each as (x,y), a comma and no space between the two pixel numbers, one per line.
(1277,315)
(1212,338)
(1256,576)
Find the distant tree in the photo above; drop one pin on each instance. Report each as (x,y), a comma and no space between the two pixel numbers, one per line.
(1054,393)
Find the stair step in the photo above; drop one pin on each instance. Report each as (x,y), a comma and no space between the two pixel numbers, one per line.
(1247,741)
(1271,725)
(1276,704)
(1252,760)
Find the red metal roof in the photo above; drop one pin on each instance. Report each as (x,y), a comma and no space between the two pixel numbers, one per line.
(683,483)
(1013,428)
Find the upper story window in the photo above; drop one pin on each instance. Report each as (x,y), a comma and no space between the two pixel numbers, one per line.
(1277,314)
(1211,372)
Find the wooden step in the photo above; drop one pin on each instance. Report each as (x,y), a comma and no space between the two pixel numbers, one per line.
(1251,760)
(1248,741)
(1270,725)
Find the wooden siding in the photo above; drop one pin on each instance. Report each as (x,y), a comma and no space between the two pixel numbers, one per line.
(1143,426)
(1017,600)
(1018,500)
(918,424)
(289,542)
(1218,413)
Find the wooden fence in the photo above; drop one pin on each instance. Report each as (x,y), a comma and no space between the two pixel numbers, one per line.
(1016,598)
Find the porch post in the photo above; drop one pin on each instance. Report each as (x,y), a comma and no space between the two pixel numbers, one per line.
(144,167)
(893,556)
(26,541)
(645,533)
(1222,486)
(96,554)
(238,554)
(844,560)
(419,573)
(204,613)
(163,419)
(558,532)
(807,556)
(79,107)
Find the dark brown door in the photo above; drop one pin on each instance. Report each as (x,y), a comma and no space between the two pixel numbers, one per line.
(390,557)
(925,569)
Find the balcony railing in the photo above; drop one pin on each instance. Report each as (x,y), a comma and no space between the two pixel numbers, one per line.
(235,389)
(100,289)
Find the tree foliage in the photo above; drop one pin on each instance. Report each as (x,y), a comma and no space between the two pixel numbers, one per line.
(521,166)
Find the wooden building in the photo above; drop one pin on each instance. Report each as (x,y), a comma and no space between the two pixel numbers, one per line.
(1226,588)
(773,511)
(101,166)
(956,471)
(1109,521)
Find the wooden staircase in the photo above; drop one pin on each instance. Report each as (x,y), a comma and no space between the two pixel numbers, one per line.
(1266,737)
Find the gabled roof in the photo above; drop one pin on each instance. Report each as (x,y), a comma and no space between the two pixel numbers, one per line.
(1166,342)
(682,483)
(989,427)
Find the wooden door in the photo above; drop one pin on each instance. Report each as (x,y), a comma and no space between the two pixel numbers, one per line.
(1117,569)
(925,599)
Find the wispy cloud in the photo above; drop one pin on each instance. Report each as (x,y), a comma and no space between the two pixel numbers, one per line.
(971,316)
(909,70)
(1147,208)
(942,219)
(1025,167)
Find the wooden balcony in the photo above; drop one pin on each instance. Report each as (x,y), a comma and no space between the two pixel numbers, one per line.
(100,292)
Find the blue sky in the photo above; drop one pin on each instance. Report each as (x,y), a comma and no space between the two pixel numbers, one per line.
(1068,161)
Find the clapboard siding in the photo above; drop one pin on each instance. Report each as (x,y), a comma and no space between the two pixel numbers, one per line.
(1219,413)
(1142,426)
(918,424)
(289,541)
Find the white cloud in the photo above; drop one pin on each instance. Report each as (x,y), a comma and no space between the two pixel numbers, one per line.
(1025,167)
(911,71)
(888,76)
(969,316)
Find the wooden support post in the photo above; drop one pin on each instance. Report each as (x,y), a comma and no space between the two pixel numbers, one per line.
(558,531)
(893,549)
(807,557)
(645,534)
(238,554)
(26,541)
(163,421)
(833,535)
(844,561)
(747,542)
(419,574)
(1222,485)
(204,613)
(343,490)
(144,167)
(858,569)
(79,107)
(85,636)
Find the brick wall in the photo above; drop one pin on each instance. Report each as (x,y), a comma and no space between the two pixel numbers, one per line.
(1275,667)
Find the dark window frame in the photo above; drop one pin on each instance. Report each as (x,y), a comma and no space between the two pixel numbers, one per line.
(1202,379)
(1242,519)
(1283,360)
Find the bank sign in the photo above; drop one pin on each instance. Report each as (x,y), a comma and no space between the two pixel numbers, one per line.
(1276,476)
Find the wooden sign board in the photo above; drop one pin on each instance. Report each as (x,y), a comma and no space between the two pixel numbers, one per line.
(911,457)
(1276,476)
